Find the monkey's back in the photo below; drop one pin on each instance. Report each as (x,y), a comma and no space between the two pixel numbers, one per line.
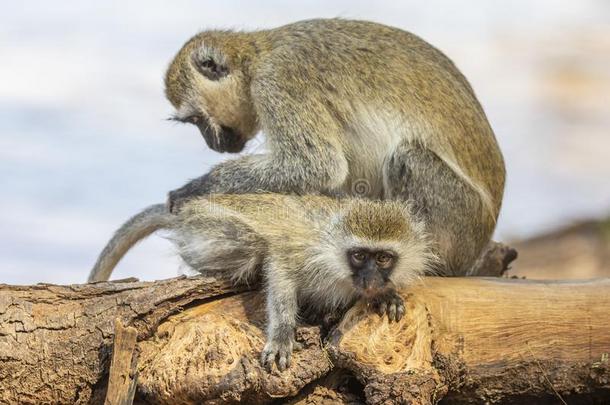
(292,224)
(237,234)
(280,219)
(371,72)
(302,241)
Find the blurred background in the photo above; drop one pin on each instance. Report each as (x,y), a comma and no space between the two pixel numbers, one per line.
(84,142)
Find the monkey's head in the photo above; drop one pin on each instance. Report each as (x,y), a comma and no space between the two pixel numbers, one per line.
(209,85)
(381,245)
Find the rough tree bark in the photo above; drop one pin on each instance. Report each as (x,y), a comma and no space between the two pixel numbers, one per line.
(466,340)
(55,341)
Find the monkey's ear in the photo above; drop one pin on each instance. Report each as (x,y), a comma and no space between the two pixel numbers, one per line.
(210,63)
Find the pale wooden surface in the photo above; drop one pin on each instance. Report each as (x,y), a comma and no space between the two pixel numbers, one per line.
(122,377)
(537,331)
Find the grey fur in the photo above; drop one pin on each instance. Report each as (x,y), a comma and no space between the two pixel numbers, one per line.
(445,204)
(298,245)
(339,100)
(135,229)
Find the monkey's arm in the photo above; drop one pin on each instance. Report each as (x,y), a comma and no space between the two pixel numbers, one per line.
(282,310)
(265,173)
(304,141)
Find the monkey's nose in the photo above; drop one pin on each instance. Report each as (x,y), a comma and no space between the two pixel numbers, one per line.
(369,287)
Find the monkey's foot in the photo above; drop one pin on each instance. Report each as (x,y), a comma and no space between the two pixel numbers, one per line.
(279,351)
(392,304)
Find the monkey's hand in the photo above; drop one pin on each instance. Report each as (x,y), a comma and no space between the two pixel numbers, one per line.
(277,350)
(392,304)
(194,188)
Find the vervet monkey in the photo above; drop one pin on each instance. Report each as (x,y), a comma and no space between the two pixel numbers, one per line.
(312,251)
(350,107)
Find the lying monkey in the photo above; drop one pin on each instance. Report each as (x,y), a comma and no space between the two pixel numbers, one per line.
(312,251)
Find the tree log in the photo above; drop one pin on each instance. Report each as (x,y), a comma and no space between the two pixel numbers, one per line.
(484,340)
(463,340)
(56,341)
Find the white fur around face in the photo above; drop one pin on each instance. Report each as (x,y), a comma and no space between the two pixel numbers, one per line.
(327,281)
(327,277)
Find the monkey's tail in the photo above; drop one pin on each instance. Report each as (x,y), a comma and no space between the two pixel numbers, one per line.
(131,232)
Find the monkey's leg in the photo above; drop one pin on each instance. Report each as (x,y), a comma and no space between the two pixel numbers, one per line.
(451,209)
(221,243)
(282,309)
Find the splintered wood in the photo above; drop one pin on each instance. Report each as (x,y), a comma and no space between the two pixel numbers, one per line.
(122,378)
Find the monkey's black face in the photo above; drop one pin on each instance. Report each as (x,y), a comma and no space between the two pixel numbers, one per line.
(371,270)
(223,140)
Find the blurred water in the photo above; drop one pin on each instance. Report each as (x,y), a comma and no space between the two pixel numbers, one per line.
(84,143)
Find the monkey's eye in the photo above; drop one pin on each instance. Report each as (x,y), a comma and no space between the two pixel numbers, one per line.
(211,69)
(208,64)
(359,256)
(384,259)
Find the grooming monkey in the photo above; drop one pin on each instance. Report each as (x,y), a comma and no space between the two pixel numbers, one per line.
(345,103)
(312,251)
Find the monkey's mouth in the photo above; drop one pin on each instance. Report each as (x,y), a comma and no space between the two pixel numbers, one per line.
(222,140)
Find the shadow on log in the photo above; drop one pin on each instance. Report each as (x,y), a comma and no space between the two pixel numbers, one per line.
(463,340)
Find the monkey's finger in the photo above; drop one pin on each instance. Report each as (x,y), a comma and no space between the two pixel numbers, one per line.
(383,307)
(267,359)
(283,361)
(289,360)
(298,346)
(400,312)
(392,312)
(269,362)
